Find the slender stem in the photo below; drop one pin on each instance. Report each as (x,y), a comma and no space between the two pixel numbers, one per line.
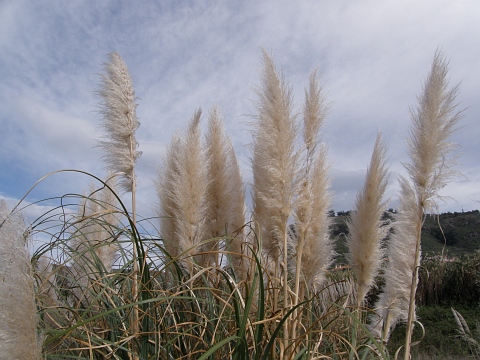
(285,290)
(413,288)
(135,327)
(135,264)
(296,299)
(386,327)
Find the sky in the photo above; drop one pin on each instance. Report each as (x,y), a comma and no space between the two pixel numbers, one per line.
(373,57)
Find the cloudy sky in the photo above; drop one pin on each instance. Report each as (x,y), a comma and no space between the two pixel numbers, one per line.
(373,57)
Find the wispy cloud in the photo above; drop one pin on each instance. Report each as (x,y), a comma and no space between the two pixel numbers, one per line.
(372,57)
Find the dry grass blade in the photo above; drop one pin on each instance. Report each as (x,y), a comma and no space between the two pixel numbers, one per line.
(92,237)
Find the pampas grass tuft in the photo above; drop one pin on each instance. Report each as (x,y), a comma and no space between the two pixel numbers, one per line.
(312,243)
(168,207)
(275,163)
(225,193)
(118,110)
(365,225)
(393,303)
(18,320)
(430,168)
(188,191)
(433,123)
(318,251)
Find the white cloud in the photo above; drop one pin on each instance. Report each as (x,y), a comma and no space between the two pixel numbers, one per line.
(373,57)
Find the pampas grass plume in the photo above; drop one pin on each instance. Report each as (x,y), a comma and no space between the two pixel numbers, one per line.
(275,161)
(314,250)
(189,191)
(318,251)
(393,302)
(430,168)
(118,110)
(225,194)
(315,111)
(168,207)
(18,333)
(365,225)
(433,123)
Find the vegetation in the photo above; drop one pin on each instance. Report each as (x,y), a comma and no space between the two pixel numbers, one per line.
(212,285)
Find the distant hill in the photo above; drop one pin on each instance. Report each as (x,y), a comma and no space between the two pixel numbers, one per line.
(460,236)
(461,233)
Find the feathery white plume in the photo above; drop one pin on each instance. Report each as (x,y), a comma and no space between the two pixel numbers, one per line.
(118,110)
(189,191)
(275,161)
(393,303)
(168,206)
(18,319)
(365,225)
(318,251)
(225,195)
(312,242)
(433,122)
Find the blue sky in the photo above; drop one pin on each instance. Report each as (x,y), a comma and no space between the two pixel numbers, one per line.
(373,57)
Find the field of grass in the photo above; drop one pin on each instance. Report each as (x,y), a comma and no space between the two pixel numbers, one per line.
(219,282)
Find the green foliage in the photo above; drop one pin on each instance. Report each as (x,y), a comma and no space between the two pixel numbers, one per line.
(450,282)
(441,336)
(454,234)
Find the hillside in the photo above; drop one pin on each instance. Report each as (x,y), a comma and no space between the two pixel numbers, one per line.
(460,236)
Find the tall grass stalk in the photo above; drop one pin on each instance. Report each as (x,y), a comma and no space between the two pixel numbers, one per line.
(434,121)
(274,163)
(430,168)
(314,112)
(119,121)
(18,318)
(275,172)
(365,229)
